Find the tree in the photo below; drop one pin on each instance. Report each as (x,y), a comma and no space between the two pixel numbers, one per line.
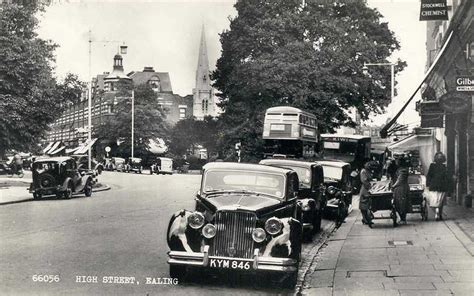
(149,120)
(282,53)
(30,97)
(189,133)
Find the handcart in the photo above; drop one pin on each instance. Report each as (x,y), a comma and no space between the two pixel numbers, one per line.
(382,198)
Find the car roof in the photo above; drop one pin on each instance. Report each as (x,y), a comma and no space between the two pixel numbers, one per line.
(337,164)
(55,159)
(289,162)
(245,166)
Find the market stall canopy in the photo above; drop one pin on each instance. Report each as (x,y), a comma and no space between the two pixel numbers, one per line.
(413,142)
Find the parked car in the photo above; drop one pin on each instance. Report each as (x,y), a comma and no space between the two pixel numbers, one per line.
(311,197)
(135,165)
(244,220)
(337,179)
(121,164)
(59,176)
(163,165)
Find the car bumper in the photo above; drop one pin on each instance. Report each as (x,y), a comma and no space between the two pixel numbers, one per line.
(202,259)
(47,190)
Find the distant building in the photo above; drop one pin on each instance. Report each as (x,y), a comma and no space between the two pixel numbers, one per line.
(174,106)
(71,127)
(204,99)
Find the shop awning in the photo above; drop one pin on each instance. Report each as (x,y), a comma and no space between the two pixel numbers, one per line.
(384,131)
(413,142)
(54,148)
(84,147)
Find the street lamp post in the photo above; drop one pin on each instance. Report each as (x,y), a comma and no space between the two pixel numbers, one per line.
(89,101)
(365,69)
(133,118)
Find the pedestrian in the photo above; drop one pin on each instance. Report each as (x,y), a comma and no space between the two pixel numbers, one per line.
(401,189)
(364,199)
(437,182)
(391,170)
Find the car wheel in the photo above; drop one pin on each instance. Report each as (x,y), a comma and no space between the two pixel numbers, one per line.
(88,189)
(99,170)
(68,193)
(37,195)
(178,272)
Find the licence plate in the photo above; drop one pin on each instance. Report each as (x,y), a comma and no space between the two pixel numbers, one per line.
(230,264)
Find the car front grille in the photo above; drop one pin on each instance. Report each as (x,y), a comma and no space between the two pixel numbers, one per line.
(233,234)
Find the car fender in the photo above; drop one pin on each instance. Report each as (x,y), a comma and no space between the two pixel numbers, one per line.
(66,182)
(287,243)
(179,236)
(84,180)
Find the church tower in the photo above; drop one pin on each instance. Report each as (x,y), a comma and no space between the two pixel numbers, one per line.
(203,93)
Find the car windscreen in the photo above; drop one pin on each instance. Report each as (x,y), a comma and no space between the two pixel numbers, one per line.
(331,172)
(45,167)
(259,182)
(304,175)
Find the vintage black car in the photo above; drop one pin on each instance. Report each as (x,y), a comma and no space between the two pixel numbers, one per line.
(311,197)
(59,176)
(135,165)
(244,220)
(337,179)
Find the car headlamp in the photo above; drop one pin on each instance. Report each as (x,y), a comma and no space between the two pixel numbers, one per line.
(273,225)
(209,231)
(259,235)
(196,220)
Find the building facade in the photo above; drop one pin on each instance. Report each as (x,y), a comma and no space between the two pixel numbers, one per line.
(72,127)
(447,105)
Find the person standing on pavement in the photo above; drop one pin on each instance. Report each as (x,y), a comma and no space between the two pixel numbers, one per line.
(437,182)
(401,189)
(364,196)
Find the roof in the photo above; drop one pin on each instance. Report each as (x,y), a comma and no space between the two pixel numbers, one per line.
(337,164)
(245,167)
(288,162)
(284,109)
(56,159)
(144,76)
(357,137)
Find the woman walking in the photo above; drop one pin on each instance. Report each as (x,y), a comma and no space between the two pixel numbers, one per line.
(437,182)
(401,189)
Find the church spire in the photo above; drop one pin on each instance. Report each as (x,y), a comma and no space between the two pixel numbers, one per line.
(202,72)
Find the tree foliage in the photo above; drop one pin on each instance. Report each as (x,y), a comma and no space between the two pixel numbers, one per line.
(148,124)
(189,133)
(311,57)
(30,97)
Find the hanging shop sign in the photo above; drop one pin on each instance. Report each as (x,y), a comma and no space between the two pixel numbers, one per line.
(431,114)
(433,10)
(455,102)
(465,83)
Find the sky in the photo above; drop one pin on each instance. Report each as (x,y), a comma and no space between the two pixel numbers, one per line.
(165,34)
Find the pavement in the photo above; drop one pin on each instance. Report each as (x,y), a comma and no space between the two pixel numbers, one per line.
(419,258)
(14,189)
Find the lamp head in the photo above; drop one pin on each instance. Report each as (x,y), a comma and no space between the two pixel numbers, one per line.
(365,69)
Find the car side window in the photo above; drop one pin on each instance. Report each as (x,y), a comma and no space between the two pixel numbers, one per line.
(293,185)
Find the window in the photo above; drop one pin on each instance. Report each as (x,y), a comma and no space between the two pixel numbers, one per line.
(182,113)
(154,83)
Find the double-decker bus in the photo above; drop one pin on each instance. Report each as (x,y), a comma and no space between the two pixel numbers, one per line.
(291,132)
(353,149)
